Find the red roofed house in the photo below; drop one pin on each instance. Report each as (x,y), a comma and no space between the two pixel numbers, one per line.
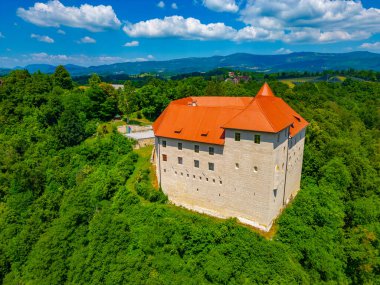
(231,156)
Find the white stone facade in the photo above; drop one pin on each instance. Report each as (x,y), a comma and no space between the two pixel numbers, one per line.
(250,181)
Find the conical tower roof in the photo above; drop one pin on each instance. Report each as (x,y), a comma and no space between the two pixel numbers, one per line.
(265,91)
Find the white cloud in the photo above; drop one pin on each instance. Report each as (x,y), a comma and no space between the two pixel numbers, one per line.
(43,56)
(62,32)
(221,5)
(283,51)
(55,14)
(373,46)
(161,4)
(142,59)
(40,38)
(191,28)
(250,33)
(312,20)
(132,44)
(1,35)
(86,40)
(178,26)
(174,6)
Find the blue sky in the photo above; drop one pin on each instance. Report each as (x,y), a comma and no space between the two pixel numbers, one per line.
(93,32)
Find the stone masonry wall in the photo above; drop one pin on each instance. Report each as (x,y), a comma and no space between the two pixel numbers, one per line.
(247,181)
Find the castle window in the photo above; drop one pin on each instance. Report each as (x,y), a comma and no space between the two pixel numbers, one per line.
(236,165)
(164,157)
(163,143)
(213,180)
(211,150)
(275,192)
(255,169)
(237,137)
(220,182)
(257,139)
(211,166)
(180,160)
(196,163)
(180,146)
(206,179)
(196,148)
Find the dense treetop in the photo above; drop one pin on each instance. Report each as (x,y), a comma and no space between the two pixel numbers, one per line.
(77,204)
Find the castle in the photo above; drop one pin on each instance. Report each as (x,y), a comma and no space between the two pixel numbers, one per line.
(231,156)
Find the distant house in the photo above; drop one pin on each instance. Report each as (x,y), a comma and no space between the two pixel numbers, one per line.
(236,157)
(117,86)
(233,80)
(238,79)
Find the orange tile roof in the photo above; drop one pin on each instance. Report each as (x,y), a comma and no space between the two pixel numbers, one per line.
(204,119)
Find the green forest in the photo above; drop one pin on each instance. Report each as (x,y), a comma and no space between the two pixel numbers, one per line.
(77,203)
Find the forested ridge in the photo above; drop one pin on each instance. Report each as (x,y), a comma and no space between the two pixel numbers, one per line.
(77,205)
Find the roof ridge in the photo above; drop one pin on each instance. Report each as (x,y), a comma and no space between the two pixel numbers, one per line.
(265,115)
(245,108)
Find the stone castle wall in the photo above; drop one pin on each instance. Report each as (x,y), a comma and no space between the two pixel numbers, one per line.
(247,181)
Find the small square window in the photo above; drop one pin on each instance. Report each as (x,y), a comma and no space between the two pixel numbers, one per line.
(163,143)
(211,150)
(257,139)
(179,146)
(196,163)
(220,182)
(211,166)
(237,137)
(164,157)
(196,148)
(180,160)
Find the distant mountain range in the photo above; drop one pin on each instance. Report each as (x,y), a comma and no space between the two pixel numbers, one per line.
(298,61)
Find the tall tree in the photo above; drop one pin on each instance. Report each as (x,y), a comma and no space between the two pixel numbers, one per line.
(62,78)
(94,80)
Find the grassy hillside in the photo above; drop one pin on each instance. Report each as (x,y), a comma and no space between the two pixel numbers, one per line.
(77,204)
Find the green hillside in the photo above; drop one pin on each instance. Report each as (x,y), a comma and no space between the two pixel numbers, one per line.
(77,204)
